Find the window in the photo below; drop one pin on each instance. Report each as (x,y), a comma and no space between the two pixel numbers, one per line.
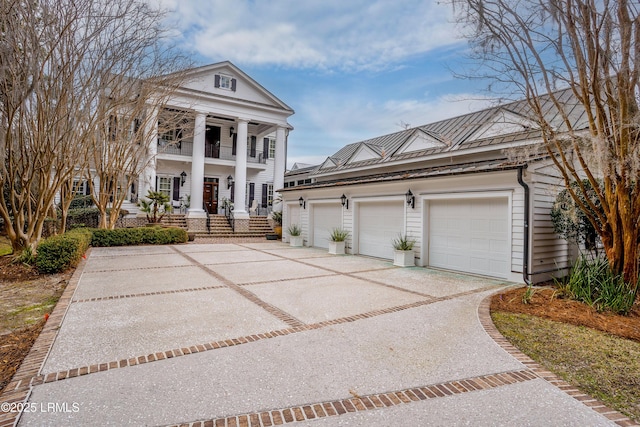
(171,135)
(225,82)
(272,148)
(164,185)
(269,194)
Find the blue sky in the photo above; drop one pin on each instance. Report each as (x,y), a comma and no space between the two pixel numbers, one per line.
(351,69)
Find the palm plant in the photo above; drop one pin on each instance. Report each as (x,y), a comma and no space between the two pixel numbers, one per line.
(156,205)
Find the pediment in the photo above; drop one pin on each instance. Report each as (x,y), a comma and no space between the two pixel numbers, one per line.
(329,163)
(503,122)
(207,79)
(418,141)
(365,152)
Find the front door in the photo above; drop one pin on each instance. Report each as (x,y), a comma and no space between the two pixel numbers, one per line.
(210,197)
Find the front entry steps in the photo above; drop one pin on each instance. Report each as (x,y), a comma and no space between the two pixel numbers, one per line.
(219,227)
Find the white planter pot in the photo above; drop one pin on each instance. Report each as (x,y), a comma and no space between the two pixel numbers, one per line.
(336,248)
(404,259)
(295,241)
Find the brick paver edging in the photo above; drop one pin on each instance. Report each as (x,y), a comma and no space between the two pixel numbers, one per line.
(147,294)
(214,345)
(19,387)
(369,402)
(484,315)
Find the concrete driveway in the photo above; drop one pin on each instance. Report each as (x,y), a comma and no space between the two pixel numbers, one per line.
(263,334)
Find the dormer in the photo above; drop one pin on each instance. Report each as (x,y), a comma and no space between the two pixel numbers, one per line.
(503,122)
(420,140)
(329,163)
(366,152)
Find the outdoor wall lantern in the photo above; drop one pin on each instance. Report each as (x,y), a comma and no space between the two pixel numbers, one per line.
(229,182)
(183,177)
(231,131)
(344,201)
(302,203)
(411,200)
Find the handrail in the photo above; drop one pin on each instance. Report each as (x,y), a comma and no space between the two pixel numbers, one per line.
(228,210)
(206,211)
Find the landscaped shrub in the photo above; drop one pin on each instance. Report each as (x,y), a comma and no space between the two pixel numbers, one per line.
(80,202)
(83,217)
(57,253)
(592,282)
(139,236)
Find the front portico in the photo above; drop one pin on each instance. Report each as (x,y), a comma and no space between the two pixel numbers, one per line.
(233,150)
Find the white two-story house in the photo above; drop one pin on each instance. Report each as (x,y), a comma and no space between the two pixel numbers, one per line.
(236,150)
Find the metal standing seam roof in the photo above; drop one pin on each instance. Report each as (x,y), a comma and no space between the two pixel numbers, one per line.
(455,132)
(495,165)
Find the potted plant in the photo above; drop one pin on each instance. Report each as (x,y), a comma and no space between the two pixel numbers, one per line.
(403,256)
(156,205)
(277,219)
(337,241)
(295,235)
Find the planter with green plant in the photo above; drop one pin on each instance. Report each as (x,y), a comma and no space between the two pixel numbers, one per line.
(337,240)
(295,235)
(403,255)
(277,220)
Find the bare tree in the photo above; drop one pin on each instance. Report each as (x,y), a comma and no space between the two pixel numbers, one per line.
(66,68)
(592,49)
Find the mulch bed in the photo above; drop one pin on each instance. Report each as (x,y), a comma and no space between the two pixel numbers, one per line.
(546,303)
(14,347)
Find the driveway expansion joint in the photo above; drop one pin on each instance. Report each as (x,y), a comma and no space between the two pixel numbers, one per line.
(147,294)
(369,402)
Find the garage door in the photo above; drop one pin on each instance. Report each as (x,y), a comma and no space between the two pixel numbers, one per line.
(470,235)
(378,224)
(325,219)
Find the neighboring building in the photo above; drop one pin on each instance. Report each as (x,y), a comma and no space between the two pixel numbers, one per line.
(300,174)
(448,185)
(237,152)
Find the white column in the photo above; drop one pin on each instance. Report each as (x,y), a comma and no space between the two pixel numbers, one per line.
(197,167)
(147,180)
(281,159)
(240,180)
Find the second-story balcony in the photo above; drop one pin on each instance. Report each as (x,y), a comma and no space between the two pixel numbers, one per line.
(211,151)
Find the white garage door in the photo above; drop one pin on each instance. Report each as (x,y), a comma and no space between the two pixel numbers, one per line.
(378,224)
(325,218)
(470,235)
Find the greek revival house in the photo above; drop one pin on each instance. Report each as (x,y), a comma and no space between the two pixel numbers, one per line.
(236,153)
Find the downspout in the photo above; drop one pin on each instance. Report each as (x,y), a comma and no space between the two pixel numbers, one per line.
(525,255)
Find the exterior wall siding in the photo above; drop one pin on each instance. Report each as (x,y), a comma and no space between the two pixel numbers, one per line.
(549,252)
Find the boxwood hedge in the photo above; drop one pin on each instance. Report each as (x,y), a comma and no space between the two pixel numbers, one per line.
(58,253)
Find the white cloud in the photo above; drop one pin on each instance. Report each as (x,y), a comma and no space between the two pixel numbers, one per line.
(324,34)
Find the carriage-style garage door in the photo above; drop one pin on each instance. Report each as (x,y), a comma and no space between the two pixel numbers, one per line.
(470,235)
(378,224)
(326,217)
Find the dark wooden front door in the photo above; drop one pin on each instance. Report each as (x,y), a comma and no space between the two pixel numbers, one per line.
(210,197)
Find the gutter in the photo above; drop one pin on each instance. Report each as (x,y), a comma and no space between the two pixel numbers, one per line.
(525,256)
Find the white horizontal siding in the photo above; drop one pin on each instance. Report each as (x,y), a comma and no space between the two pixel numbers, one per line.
(549,252)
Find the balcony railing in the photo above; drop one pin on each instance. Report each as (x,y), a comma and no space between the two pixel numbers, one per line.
(185,148)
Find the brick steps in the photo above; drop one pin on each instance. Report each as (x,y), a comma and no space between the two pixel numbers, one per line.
(219,227)
(175,220)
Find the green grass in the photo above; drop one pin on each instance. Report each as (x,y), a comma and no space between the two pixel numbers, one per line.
(5,246)
(603,366)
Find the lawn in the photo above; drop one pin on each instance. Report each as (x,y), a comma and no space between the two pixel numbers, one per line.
(602,364)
